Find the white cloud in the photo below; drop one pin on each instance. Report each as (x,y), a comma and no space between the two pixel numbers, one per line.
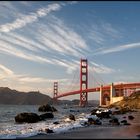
(4,71)
(100,68)
(9,49)
(119,48)
(58,37)
(110,30)
(21,22)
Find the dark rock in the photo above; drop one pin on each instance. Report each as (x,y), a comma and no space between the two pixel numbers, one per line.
(46,115)
(72,117)
(130,117)
(27,117)
(48,130)
(98,122)
(104,114)
(47,108)
(54,109)
(127,123)
(114,121)
(117,108)
(93,112)
(124,121)
(86,124)
(55,122)
(74,110)
(92,121)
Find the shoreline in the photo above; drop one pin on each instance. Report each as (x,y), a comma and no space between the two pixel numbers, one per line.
(98,131)
(92,132)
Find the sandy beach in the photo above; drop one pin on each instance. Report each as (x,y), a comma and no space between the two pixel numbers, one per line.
(126,132)
(99,132)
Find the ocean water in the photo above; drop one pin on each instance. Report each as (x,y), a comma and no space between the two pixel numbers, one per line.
(9,129)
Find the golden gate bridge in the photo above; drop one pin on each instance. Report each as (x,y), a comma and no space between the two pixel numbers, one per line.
(108,93)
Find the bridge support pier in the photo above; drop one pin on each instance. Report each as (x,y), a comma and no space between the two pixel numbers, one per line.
(112,93)
(106,95)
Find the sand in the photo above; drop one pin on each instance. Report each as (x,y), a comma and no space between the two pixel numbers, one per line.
(117,132)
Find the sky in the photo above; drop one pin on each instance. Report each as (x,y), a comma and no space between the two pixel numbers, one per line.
(42,42)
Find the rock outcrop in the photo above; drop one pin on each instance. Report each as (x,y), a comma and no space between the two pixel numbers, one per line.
(27,117)
(47,108)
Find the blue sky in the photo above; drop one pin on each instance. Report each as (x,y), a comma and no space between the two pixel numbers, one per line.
(43,42)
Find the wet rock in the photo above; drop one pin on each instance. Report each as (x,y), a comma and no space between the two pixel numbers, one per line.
(114,121)
(54,109)
(124,121)
(27,117)
(85,123)
(46,115)
(74,110)
(55,122)
(47,108)
(92,121)
(117,108)
(104,115)
(127,123)
(72,117)
(49,130)
(130,117)
(98,122)
(101,113)
(93,112)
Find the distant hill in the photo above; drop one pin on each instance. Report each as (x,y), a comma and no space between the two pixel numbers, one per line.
(133,101)
(9,96)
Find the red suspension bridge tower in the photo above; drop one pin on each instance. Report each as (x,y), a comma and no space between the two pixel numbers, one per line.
(55,92)
(83,82)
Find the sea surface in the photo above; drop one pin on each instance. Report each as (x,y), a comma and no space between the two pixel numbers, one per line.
(9,129)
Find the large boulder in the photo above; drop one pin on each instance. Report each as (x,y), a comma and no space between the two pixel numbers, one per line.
(27,117)
(46,115)
(47,108)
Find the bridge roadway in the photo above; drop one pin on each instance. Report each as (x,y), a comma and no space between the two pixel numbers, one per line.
(96,89)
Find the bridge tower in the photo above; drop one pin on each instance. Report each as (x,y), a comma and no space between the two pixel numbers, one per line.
(83,82)
(55,91)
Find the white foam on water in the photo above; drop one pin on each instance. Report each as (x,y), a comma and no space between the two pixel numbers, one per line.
(32,129)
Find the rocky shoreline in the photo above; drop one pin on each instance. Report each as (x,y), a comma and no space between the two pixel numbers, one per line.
(97,119)
(120,131)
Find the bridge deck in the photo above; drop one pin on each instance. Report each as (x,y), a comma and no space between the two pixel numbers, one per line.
(97,89)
